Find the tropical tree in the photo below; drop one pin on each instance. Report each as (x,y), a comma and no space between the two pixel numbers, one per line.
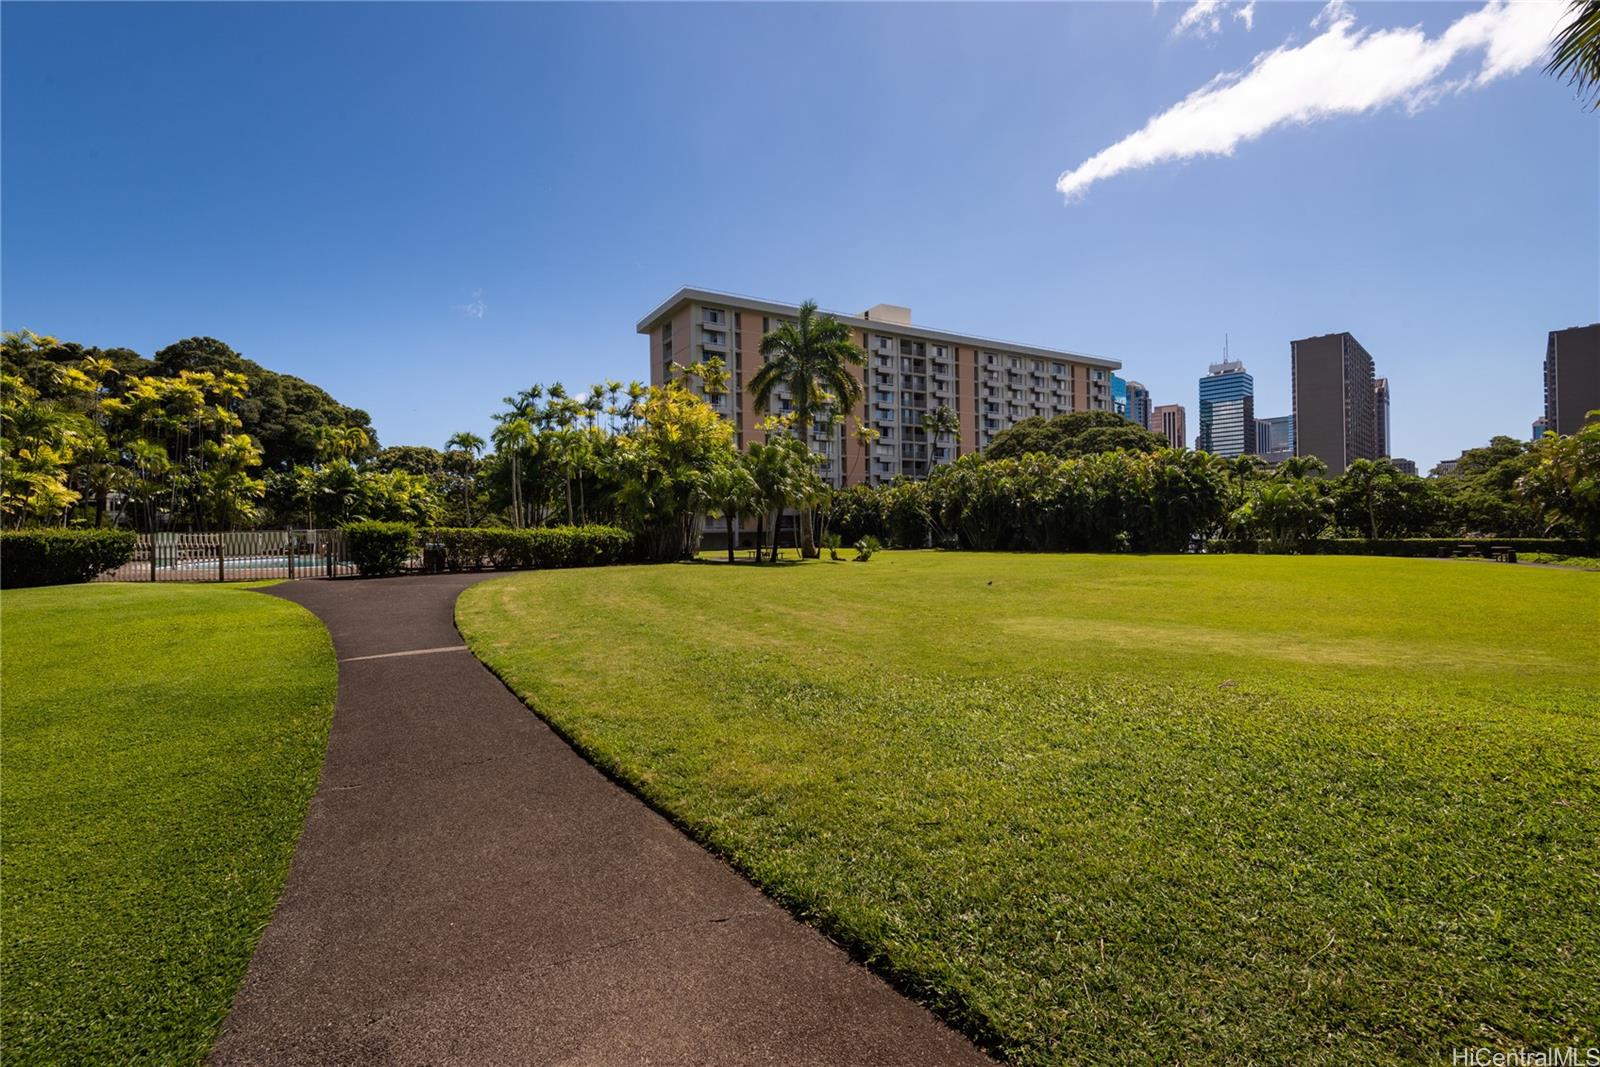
(1564,484)
(470,446)
(731,491)
(810,357)
(941,420)
(1294,468)
(866,436)
(1576,52)
(514,438)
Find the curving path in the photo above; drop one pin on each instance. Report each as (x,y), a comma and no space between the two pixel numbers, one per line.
(469,890)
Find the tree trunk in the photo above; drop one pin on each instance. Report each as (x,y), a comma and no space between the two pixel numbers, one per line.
(733,532)
(804,539)
(761,534)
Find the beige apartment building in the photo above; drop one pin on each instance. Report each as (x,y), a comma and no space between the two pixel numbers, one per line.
(911,370)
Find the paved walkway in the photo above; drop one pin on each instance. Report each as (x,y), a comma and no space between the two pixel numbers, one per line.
(469,890)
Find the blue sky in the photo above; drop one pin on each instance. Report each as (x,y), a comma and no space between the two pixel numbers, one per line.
(423,208)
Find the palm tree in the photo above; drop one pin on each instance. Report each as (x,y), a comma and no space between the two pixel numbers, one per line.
(1242,467)
(1363,476)
(939,421)
(512,437)
(1294,468)
(812,357)
(731,490)
(866,436)
(471,444)
(1576,52)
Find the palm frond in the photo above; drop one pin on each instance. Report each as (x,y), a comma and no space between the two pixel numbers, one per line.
(1576,55)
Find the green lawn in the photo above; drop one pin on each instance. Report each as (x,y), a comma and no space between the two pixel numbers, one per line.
(160,746)
(1096,808)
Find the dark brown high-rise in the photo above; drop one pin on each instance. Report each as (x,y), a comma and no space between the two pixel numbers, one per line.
(1334,416)
(1571,377)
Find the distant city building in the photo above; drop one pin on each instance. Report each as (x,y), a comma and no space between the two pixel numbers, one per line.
(1404,466)
(1446,466)
(1138,404)
(1571,377)
(1227,410)
(1380,415)
(1275,438)
(1332,384)
(1540,425)
(1168,421)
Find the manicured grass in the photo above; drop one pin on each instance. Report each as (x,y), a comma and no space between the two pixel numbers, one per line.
(1145,809)
(1588,563)
(161,744)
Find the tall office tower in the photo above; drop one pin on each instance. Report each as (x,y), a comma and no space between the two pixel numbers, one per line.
(911,371)
(1571,377)
(1227,410)
(1382,443)
(1168,421)
(1331,379)
(1138,404)
(1540,425)
(1275,438)
(1119,396)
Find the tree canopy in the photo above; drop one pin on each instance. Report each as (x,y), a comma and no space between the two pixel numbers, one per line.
(1077,433)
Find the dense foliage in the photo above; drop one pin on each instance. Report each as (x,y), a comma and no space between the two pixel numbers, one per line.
(1166,500)
(1078,433)
(57,557)
(379,548)
(498,548)
(91,436)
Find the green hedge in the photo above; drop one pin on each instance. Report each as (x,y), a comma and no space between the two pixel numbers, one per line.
(1408,546)
(470,549)
(59,557)
(379,548)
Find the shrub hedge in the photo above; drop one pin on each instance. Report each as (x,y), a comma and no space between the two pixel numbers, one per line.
(1406,546)
(497,548)
(60,557)
(379,548)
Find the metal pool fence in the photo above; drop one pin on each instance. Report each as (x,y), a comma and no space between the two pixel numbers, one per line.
(235,556)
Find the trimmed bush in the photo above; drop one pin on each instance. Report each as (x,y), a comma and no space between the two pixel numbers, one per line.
(497,548)
(379,548)
(1406,546)
(60,557)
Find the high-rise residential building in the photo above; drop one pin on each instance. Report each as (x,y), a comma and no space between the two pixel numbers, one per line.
(1275,438)
(1540,425)
(1168,421)
(1138,404)
(1227,410)
(1332,383)
(911,371)
(1380,416)
(1571,377)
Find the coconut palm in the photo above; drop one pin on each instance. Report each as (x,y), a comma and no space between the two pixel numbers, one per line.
(811,357)
(1576,52)
(940,420)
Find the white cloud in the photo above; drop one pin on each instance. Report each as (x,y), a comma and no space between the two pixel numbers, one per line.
(475,310)
(1201,18)
(1204,17)
(1342,71)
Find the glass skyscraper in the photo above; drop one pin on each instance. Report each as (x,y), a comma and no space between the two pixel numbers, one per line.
(1227,410)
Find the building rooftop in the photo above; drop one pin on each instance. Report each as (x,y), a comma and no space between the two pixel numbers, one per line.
(891,318)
